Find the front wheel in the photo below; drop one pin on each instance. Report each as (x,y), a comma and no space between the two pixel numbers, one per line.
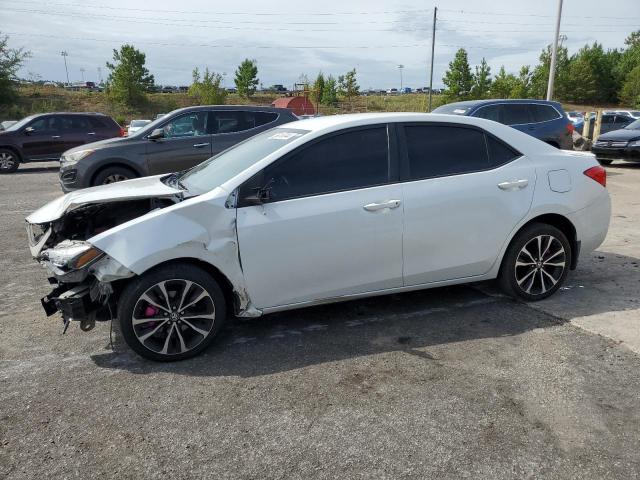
(113,175)
(536,263)
(171,313)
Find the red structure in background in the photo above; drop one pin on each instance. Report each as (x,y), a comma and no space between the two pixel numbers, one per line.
(298,105)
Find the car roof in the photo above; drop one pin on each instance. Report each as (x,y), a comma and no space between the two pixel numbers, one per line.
(473,103)
(35,115)
(250,108)
(338,122)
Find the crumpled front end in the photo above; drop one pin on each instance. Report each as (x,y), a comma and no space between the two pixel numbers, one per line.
(84,277)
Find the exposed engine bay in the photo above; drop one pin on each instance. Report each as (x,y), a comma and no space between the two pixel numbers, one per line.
(85,278)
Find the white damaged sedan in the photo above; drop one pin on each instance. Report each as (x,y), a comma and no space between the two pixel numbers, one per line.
(315,211)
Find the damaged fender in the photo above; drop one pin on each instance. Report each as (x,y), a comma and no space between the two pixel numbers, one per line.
(203,229)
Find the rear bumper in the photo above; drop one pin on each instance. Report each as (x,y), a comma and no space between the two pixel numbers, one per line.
(592,223)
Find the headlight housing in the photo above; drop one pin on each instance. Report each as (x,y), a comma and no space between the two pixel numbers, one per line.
(635,143)
(75,157)
(72,254)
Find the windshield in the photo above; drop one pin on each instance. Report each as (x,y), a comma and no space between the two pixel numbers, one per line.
(633,125)
(20,124)
(148,127)
(229,163)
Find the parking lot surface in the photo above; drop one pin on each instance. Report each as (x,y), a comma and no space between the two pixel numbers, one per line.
(446,383)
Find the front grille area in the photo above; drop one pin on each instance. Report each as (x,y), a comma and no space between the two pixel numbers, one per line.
(68,176)
(608,144)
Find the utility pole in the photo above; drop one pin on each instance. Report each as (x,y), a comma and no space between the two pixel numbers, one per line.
(82,73)
(400,67)
(99,76)
(65,55)
(433,46)
(554,52)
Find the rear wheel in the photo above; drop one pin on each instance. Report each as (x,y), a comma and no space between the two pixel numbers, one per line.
(605,162)
(9,161)
(171,313)
(536,263)
(113,175)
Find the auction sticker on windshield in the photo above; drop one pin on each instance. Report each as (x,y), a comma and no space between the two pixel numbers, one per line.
(284,135)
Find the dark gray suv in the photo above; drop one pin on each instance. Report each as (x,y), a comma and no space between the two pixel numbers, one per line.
(177,141)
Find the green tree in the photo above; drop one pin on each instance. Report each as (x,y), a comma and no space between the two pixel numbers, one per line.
(503,84)
(522,84)
(207,90)
(540,77)
(481,80)
(629,58)
(348,85)
(318,88)
(583,82)
(247,78)
(329,91)
(129,78)
(630,92)
(11,59)
(458,79)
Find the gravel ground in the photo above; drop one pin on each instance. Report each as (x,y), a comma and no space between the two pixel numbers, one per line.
(447,383)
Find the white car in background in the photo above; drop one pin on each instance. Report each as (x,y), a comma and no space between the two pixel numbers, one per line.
(136,125)
(315,211)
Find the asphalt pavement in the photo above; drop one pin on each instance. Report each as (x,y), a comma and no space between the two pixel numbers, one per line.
(446,383)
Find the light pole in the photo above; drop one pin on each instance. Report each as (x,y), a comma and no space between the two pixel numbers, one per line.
(82,73)
(554,53)
(99,76)
(400,67)
(65,55)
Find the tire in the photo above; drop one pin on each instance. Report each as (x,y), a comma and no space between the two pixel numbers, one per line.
(604,162)
(532,279)
(9,161)
(113,175)
(166,334)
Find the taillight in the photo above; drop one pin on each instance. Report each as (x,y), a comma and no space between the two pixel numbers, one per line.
(597,173)
(123,132)
(570,128)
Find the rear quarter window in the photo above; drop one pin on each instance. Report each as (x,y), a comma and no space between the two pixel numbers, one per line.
(544,113)
(262,118)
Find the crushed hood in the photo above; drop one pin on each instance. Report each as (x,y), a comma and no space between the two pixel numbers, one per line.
(136,189)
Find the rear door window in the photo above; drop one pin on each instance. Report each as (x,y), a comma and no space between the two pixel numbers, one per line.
(233,121)
(543,113)
(499,152)
(347,161)
(516,114)
(490,112)
(440,150)
(75,123)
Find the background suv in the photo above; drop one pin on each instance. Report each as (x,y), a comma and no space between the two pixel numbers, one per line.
(539,118)
(44,137)
(177,141)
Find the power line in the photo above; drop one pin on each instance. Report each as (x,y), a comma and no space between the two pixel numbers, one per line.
(287,13)
(491,14)
(280,47)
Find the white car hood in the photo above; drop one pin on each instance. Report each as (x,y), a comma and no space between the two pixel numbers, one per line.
(146,187)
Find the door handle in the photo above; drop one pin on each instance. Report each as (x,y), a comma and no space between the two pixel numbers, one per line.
(91,133)
(200,145)
(55,136)
(374,207)
(513,184)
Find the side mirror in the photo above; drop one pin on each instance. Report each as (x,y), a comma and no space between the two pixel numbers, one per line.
(261,196)
(28,130)
(156,134)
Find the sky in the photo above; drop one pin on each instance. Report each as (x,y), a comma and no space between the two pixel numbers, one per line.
(288,39)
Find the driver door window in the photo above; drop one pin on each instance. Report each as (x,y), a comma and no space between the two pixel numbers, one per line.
(349,161)
(190,125)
